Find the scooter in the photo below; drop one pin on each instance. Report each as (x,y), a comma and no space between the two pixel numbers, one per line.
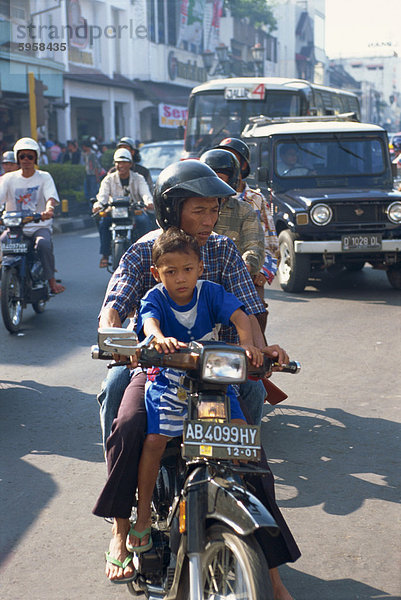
(205,521)
(22,280)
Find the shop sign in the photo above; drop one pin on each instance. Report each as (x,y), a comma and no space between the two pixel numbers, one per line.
(172,116)
(184,70)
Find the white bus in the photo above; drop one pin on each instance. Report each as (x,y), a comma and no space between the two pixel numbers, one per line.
(221,107)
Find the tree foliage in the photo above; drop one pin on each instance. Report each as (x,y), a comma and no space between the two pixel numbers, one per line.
(257,11)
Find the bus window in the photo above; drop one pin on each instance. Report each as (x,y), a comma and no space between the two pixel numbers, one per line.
(319,104)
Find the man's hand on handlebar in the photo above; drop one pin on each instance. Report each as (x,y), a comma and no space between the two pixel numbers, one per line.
(167,344)
(278,354)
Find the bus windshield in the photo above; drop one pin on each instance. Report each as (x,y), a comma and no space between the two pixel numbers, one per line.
(211,117)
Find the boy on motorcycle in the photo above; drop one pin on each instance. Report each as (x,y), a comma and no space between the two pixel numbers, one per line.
(34,190)
(122,182)
(181,307)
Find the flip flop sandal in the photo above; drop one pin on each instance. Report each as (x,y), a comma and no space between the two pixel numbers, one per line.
(122,565)
(103,263)
(140,535)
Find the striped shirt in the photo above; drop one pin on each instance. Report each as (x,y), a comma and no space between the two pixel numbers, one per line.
(222,264)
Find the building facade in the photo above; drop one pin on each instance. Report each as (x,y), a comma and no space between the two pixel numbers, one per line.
(124,67)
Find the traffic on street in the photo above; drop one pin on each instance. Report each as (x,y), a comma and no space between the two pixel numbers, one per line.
(332,445)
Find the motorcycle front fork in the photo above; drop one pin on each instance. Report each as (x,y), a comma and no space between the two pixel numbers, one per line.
(195,576)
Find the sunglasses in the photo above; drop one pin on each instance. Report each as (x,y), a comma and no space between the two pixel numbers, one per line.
(28,156)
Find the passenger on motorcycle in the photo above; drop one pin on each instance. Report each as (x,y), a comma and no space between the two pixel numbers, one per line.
(122,182)
(8,163)
(260,204)
(186,196)
(33,190)
(129,144)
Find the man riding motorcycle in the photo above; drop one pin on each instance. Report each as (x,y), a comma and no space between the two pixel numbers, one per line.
(122,182)
(186,195)
(34,190)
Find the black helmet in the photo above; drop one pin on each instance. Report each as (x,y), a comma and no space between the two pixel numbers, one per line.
(181,180)
(223,161)
(397,142)
(242,149)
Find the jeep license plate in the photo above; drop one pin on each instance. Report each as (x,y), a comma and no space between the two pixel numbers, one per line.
(221,440)
(359,242)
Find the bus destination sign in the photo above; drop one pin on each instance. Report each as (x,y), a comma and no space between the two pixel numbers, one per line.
(245,92)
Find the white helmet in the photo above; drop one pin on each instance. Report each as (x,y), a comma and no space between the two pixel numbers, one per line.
(122,155)
(8,157)
(26,143)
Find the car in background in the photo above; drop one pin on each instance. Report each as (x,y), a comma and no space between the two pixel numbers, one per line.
(330,184)
(156,156)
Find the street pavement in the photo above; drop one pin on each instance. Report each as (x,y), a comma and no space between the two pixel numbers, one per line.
(334,445)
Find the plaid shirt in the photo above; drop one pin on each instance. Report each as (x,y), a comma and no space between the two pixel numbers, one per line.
(238,221)
(222,264)
(260,204)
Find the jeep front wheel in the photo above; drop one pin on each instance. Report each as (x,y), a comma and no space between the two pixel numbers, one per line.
(293,270)
(394,276)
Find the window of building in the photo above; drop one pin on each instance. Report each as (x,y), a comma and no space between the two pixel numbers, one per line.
(151,18)
(161,21)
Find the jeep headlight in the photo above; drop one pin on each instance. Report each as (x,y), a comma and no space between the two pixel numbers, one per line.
(394,212)
(224,366)
(321,214)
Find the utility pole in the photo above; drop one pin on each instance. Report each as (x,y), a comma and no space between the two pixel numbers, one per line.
(32,105)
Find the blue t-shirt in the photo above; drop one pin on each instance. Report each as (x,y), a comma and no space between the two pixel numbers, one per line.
(211,306)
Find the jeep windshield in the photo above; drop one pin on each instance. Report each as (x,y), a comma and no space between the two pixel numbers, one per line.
(335,157)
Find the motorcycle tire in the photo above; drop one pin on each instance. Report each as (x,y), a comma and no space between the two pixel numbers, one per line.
(11,305)
(232,567)
(119,248)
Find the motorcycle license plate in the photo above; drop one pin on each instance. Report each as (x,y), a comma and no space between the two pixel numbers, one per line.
(15,248)
(358,242)
(221,440)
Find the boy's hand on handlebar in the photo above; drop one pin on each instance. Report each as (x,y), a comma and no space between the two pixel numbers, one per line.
(167,344)
(254,354)
(278,354)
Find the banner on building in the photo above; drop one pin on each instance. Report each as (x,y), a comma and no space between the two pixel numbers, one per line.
(190,36)
(172,116)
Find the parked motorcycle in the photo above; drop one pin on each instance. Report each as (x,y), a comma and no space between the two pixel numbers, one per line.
(205,521)
(22,280)
(125,216)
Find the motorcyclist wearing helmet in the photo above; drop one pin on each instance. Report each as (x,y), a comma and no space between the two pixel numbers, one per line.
(187,195)
(259,203)
(122,182)
(129,144)
(237,219)
(8,162)
(34,190)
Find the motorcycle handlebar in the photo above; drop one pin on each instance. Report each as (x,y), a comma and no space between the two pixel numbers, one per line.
(185,360)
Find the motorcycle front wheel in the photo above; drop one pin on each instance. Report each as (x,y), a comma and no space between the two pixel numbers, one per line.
(234,567)
(11,305)
(119,248)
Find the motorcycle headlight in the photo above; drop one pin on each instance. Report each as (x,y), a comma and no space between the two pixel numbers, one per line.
(224,366)
(119,212)
(394,212)
(321,214)
(12,221)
